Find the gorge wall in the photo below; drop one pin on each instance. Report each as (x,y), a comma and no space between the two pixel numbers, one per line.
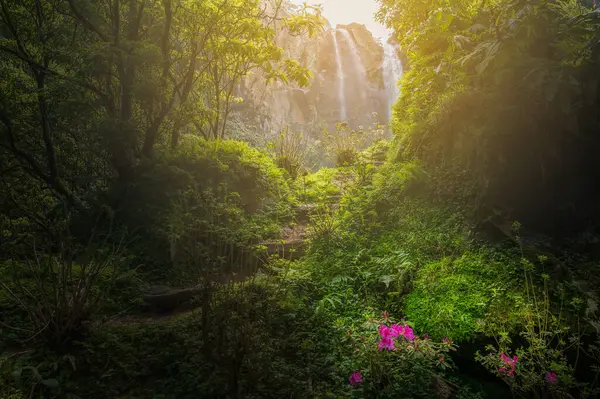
(354,77)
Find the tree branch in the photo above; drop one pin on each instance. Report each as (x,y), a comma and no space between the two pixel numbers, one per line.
(31,161)
(53,180)
(37,66)
(86,22)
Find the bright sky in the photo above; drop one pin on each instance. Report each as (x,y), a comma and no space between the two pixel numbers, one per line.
(347,11)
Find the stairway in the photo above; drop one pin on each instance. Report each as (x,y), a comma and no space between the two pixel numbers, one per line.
(293,242)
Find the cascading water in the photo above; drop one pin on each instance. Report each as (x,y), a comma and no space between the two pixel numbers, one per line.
(340,77)
(392,72)
(357,62)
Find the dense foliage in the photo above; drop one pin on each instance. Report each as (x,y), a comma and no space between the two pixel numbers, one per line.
(500,103)
(455,260)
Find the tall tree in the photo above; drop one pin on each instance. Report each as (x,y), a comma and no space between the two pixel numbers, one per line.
(90,88)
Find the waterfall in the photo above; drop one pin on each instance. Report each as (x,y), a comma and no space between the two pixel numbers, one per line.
(392,72)
(359,66)
(340,77)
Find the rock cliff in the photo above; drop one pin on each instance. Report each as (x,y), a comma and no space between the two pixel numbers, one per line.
(354,76)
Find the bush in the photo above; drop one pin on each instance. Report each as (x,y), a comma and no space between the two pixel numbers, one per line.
(389,360)
(415,257)
(319,187)
(290,152)
(377,152)
(345,144)
(236,167)
(452,296)
(253,350)
(224,189)
(551,330)
(52,296)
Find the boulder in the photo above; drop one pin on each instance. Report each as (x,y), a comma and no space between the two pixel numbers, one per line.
(164,299)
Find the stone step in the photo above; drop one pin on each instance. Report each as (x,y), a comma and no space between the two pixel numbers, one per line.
(303,213)
(292,249)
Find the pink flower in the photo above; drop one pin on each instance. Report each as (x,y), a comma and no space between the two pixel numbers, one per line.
(510,363)
(408,333)
(551,377)
(447,340)
(386,343)
(385,315)
(385,331)
(397,330)
(355,379)
(508,360)
(425,336)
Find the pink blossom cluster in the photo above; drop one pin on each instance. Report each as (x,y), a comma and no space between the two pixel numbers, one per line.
(388,334)
(355,379)
(509,365)
(509,369)
(551,377)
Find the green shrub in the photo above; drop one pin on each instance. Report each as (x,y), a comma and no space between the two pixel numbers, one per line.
(51,298)
(253,350)
(345,144)
(414,257)
(377,152)
(290,152)
(452,296)
(410,366)
(346,157)
(237,168)
(233,192)
(319,187)
(534,360)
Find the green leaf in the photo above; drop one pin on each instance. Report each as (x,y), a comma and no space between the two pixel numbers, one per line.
(448,20)
(386,280)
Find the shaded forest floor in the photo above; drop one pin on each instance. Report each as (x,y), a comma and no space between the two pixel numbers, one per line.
(312,314)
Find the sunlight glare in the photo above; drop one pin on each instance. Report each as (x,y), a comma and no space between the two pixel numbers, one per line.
(347,11)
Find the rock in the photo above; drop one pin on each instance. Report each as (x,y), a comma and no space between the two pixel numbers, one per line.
(293,243)
(157,289)
(304,212)
(335,199)
(165,299)
(318,105)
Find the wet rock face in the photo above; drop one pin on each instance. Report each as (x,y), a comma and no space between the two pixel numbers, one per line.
(351,86)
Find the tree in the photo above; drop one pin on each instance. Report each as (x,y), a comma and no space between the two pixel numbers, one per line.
(245,44)
(101,83)
(494,103)
(90,90)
